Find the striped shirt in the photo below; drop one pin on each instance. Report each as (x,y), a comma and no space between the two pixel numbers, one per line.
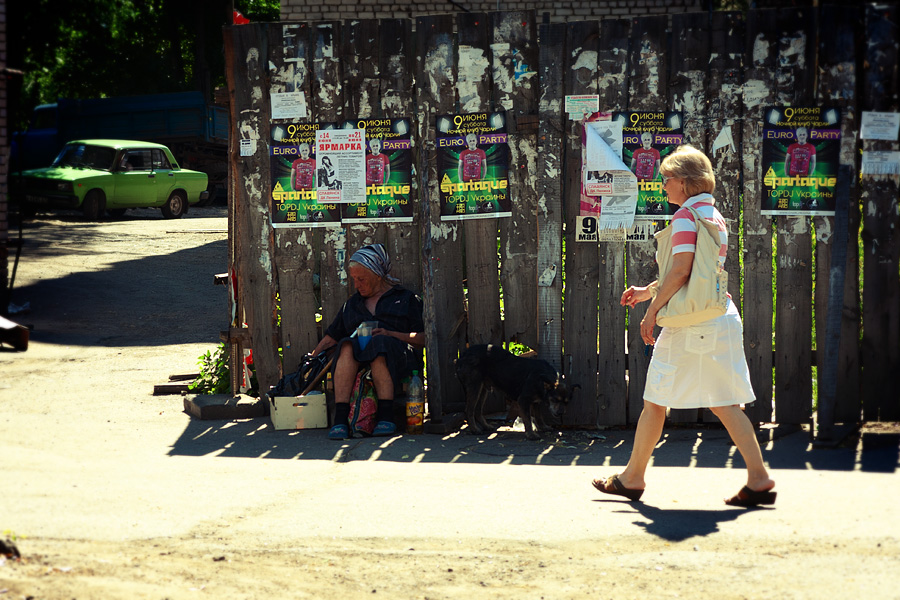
(684,229)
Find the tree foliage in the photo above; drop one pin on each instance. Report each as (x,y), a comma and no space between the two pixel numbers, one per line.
(102,48)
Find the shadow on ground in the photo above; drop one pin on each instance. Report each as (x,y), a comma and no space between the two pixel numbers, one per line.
(700,448)
(145,301)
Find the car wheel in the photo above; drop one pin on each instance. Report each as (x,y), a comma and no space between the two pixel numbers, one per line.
(175,206)
(116,213)
(94,205)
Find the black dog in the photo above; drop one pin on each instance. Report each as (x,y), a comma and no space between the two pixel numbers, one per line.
(529,383)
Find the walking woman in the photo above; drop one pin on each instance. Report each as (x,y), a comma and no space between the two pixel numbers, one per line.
(701,366)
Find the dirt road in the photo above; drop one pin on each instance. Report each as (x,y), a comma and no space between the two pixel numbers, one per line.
(120,494)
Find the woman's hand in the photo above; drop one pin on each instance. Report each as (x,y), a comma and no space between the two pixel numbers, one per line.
(414,339)
(647,325)
(634,295)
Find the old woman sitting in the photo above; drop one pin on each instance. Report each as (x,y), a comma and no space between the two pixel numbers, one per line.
(393,350)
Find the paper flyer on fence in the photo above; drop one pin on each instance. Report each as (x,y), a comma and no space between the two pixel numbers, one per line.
(800,159)
(647,138)
(609,188)
(473,164)
(294,201)
(340,166)
(388,166)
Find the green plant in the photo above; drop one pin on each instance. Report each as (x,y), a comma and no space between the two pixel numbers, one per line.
(518,349)
(215,376)
(11,535)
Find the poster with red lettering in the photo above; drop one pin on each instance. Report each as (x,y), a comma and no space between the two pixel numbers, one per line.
(473,166)
(341,166)
(800,160)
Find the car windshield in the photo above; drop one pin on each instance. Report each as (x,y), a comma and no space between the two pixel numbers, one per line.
(86,156)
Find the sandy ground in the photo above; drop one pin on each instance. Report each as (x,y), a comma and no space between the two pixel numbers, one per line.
(112,492)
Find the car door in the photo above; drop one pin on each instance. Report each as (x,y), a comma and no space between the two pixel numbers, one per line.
(164,174)
(135,180)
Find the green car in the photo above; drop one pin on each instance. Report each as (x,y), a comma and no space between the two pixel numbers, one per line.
(111,175)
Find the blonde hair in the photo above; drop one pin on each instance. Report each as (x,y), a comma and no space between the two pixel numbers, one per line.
(691,165)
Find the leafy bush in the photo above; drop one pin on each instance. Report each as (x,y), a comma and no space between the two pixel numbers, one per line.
(215,376)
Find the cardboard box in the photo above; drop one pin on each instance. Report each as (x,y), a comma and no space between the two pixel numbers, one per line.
(299,412)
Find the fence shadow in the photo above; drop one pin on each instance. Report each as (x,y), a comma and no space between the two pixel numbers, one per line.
(698,448)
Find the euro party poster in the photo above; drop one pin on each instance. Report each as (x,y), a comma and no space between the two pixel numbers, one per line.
(801,155)
(294,178)
(647,138)
(473,164)
(388,172)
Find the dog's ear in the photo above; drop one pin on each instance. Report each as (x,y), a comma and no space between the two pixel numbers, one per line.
(572,389)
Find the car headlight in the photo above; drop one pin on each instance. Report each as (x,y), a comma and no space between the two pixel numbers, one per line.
(64,186)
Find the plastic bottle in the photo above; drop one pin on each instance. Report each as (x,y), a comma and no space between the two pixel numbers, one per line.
(415,405)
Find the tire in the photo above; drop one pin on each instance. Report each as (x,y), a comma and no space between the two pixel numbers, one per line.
(175,206)
(94,205)
(116,213)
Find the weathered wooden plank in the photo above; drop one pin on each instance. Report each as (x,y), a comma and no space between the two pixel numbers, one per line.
(793,279)
(689,64)
(246,51)
(514,62)
(328,103)
(482,275)
(295,259)
(837,87)
(397,100)
(441,260)
(647,91)
(612,390)
(881,228)
(550,214)
(361,79)
(758,92)
(724,93)
(723,116)
(690,60)
(580,322)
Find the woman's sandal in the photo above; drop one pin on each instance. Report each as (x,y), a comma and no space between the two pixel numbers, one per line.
(339,432)
(612,485)
(748,498)
(384,428)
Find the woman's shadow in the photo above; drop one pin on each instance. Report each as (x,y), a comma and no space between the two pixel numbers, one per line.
(678,525)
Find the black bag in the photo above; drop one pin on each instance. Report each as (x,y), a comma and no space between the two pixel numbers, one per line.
(310,372)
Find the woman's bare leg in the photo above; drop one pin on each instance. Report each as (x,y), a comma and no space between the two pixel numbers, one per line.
(649,429)
(344,374)
(741,431)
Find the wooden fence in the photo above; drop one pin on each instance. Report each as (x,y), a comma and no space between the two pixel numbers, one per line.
(720,68)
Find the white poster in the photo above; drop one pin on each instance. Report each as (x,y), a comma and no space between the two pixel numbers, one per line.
(340,166)
(880,126)
(578,106)
(606,176)
(881,163)
(289,105)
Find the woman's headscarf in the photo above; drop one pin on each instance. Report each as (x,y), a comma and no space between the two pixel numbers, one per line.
(375,258)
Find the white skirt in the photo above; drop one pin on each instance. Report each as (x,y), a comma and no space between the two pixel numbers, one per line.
(700,366)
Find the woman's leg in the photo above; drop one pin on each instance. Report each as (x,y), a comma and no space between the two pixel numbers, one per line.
(344,374)
(381,378)
(649,429)
(741,431)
